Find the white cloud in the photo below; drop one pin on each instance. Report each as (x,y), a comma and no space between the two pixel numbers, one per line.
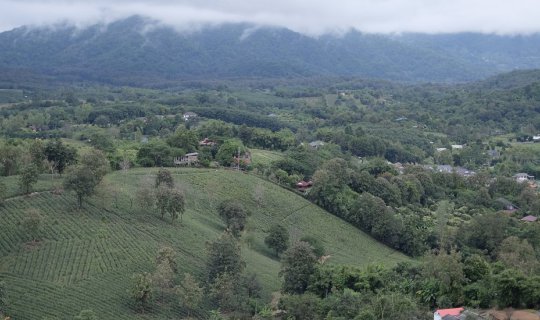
(307,16)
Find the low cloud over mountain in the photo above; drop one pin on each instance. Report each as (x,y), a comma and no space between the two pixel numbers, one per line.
(313,17)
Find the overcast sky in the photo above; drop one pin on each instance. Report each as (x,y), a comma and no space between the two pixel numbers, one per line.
(312,17)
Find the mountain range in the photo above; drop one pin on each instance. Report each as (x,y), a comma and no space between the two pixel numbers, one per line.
(139,51)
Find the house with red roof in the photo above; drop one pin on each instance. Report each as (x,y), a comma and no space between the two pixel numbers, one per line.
(448,314)
(529,218)
(304,185)
(207,143)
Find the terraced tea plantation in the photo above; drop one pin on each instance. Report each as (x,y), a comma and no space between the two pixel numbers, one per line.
(86,258)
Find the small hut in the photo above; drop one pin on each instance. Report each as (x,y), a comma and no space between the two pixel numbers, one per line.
(188,159)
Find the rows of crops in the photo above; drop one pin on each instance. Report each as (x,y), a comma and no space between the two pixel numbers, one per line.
(77,250)
(85,258)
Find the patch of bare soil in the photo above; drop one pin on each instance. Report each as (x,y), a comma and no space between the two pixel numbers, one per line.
(511,314)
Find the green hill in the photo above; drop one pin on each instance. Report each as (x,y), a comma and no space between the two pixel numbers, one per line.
(86,257)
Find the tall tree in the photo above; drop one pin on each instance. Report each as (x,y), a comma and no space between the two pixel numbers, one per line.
(176,205)
(297,266)
(446,271)
(302,306)
(32,224)
(167,255)
(444,211)
(164,177)
(189,293)
(37,153)
(163,277)
(29,176)
(224,257)
(510,288)
(171,201)
(142,290)
(518,254)
(395,305)
(330,187)
(60,154)
(85,177)
(184,139)
(228,150)
(234,215)
(162,200)
(154,153)
(9,158)
(277,239)
(226,292)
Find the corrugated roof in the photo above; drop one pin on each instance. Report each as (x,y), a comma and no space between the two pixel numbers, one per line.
(529,218)
(450,312)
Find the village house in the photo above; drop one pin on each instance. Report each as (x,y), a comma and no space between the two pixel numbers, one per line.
(316,144)
(189,115)
(457,146)
(506,205)
(441,149)
(536,138)
(522,177)
(400,168)
(304,185)
(529,218)
(187,159)
(448,314)
(207,143)
(444,168)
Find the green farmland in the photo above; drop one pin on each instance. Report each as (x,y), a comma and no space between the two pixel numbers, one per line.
(265,157)
(86,258)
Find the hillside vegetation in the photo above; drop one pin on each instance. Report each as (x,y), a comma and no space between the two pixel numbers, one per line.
(444,173)
(86,257)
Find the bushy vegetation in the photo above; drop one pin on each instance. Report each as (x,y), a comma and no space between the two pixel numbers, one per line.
(322,193)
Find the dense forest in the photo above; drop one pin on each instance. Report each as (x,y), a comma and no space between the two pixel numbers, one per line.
(441,174)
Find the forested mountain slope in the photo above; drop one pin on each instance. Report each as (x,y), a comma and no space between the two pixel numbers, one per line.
(140,51)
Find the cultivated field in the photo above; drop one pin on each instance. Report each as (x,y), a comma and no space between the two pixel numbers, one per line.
(86,258)
(265,157)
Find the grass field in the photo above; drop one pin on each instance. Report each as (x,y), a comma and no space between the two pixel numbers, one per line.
(86,258)
(265,157)
(45,182)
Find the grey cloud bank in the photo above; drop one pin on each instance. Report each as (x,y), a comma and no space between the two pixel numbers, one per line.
(313,17)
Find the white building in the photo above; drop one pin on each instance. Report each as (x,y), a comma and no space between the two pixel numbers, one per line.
(189,115)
